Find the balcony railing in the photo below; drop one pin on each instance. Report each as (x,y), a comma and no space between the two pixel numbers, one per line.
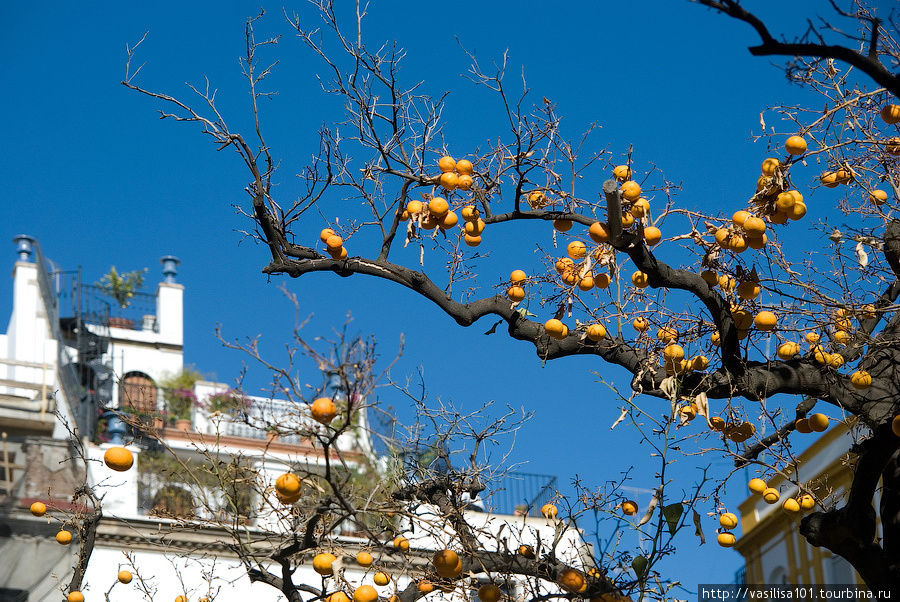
(98,307)
(520,493)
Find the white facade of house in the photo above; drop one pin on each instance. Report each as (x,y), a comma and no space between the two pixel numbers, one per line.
(172,558)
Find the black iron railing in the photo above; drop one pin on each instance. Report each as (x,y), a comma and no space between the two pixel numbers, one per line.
(520,493)
(99,307)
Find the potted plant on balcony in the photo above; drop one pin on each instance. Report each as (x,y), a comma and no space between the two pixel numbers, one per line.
(230,402)
(121,287)
(179,396)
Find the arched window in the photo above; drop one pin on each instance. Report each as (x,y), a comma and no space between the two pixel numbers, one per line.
(137,392)
(172,501)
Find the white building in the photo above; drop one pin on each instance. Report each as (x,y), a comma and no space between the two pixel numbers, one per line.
(69,351)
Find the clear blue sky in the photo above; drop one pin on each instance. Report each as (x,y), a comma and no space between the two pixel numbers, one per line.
(94,174)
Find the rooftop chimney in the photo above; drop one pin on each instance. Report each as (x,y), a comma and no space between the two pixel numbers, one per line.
(170,268)
(24,246)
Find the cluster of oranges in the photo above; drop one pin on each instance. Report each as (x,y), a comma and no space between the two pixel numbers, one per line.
(334,244)
(727,521)
(771,496)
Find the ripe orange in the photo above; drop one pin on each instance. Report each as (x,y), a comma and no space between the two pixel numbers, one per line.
(788,350)
(489,593)
(770,165)
(334,242)
(517,276)
(754,226)
(586,283)
(797,211)
(445,559)
(667,334)
(710,277)
(38,508)
(726,540)
(891,114)
(570,277)
(287,485)
(765,320)
(124,577)
(464,167)
(324,234)
(449,181)
(748,290)
(469,212)
(629,507)
(438,206)
(728,520)
(641,324)
(673,352)
(742,318)
(322,563)
(631,190)
(596,332)
(723,236)
(562,225)
(515,293)
(779,217)
(599,232)
(795,145)
(802,426)
(64,537)
(450,220)
(818,422)
(829,179)
(425,586)
(790,506)
(364,559)
(757,486)
(652,235)
(699,363)
(549,511)
(716,423)
(739,218)
(75,596)
(472,241)
(554,327)
(381,578)
(601,280)
(627,220)
(807,502)
(365,593)
(861,379)
(564,264)
(757,243)
(878,197)
(835,360)
(446,164)
(771,495)
(401,543)
(118,458)
(338,253)
(812,337)
(640,208)
(737,243)
(526,551)
(474,227)
(571,580)
(784,202)
(338,597)
(621,172)
(764,182)
(688,411)
(464,182)
(576,249)
(640,279)
(323,410)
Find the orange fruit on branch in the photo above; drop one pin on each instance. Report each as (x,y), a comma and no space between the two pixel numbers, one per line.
(596,332)
(795,145)
(728,520)
(757,486)
(515,293)
(765,320)
(38,508)
(124,577)
(770,165)
(562,225)
(576,249)
(449,181)
(640,279)
(287,485)
(446,164)
(631,190)
(464,167)
(726,540)
(438,206)
(381,578)
(64,537)
(364,559)
(517,276)
(489,593)
(118,458)
(891,114)
(622,172)
(323,410)
(861,379)
(365,593)
(322,563)
(652,235)
(549,511)
(599,232)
